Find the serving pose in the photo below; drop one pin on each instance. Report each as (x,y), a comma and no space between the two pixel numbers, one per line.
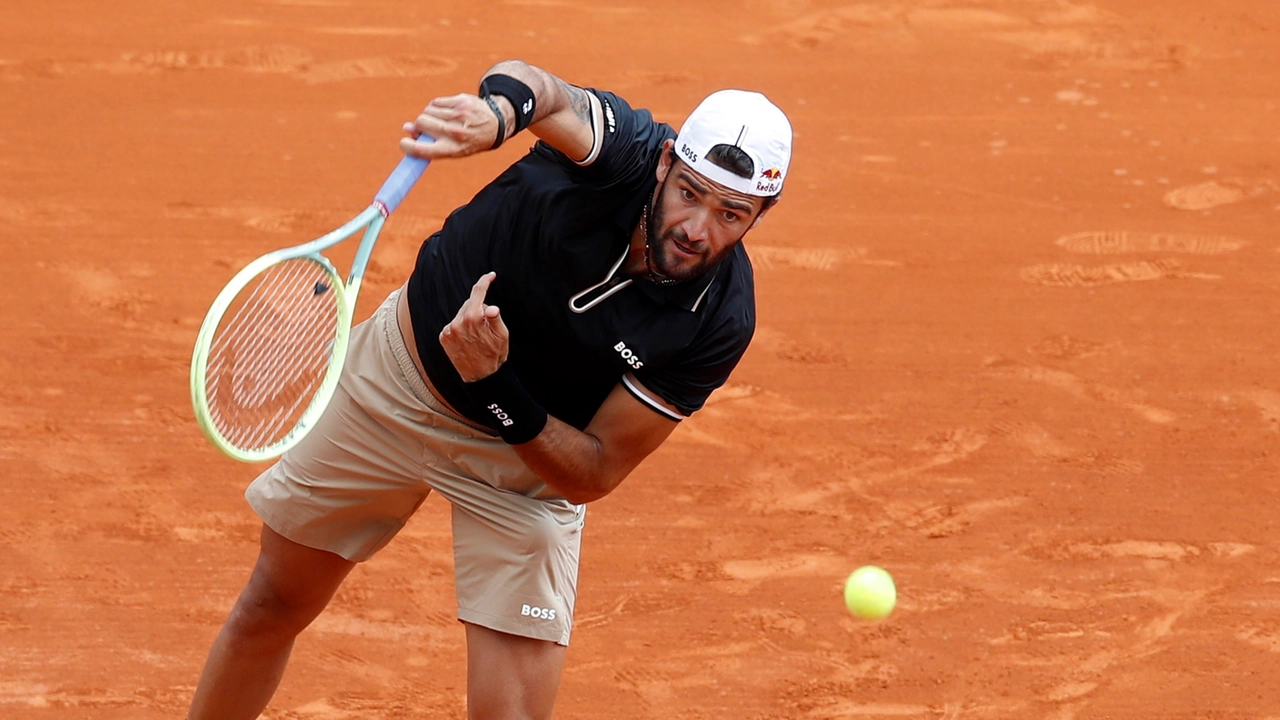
(551,336)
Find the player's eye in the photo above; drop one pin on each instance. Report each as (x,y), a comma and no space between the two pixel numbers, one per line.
(731,216)
(687,194)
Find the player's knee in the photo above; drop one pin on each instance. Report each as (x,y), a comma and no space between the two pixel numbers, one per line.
(260,611)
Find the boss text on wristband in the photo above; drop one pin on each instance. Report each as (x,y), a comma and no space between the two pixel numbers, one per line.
(517,417)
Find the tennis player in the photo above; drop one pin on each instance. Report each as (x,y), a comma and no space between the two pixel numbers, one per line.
(552,335)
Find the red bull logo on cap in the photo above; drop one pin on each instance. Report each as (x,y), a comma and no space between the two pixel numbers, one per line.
(770,180)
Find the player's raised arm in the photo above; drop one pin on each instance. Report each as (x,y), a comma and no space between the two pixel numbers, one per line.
(513,95)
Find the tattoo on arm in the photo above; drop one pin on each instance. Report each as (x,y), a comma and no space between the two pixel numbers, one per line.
(579,102)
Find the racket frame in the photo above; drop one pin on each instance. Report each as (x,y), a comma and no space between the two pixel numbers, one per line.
(389,196)
(345,296)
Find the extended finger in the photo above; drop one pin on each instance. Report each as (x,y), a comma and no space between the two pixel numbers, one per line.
(480,289)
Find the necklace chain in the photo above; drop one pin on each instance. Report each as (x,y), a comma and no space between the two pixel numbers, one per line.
(655,277)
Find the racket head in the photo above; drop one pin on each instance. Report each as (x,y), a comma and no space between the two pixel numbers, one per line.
(269,353)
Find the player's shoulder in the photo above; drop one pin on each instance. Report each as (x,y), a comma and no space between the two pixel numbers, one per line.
(732,295)
(625,149)
(740,275)
(620,117)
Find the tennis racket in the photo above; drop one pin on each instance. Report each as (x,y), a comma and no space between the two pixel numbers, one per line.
(272,346)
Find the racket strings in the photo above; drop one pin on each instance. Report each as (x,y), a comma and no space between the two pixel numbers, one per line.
(268,359)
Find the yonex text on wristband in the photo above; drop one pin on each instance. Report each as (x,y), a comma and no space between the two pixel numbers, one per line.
(520,95)
(516,415)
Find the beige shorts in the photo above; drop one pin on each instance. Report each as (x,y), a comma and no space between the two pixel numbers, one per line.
(382,445)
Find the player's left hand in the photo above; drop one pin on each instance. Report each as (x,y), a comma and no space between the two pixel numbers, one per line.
(476,340)
(461,124)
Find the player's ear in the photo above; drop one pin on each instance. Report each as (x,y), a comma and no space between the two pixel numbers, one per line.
(760,216)
(665,162)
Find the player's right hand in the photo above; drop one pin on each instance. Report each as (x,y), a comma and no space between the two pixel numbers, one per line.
(462,125)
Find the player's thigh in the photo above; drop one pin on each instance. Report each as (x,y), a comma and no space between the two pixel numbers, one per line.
(290,584)
(515,560)
(509,676)
(350,485)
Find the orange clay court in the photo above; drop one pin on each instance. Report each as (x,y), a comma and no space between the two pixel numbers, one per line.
(1017,344)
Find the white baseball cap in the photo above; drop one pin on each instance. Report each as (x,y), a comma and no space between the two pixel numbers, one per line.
(748,121)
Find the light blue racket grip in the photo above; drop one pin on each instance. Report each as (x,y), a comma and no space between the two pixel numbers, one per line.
(401,181)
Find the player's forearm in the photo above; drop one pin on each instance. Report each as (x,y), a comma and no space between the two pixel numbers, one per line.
(513,95)
(572,462)
(548,96)
(561,112)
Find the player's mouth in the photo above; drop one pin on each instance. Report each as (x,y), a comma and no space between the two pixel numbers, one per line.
(684,249)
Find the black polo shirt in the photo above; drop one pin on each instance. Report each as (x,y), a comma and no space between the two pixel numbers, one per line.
(555,232)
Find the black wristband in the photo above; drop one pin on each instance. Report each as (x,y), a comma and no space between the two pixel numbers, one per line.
(520,95)
(518,418)
(502,122)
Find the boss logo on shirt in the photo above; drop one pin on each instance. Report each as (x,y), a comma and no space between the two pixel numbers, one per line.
(534,611)
(629,356)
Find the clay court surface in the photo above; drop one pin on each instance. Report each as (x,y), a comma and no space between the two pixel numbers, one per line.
(1017,344)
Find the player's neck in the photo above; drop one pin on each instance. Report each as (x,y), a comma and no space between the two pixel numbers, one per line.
(634,264)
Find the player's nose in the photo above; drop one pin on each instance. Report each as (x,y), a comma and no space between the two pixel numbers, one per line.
(698,227)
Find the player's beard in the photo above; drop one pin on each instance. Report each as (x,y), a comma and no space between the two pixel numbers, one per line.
(667,265)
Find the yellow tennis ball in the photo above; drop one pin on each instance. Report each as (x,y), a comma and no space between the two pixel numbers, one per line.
(869,593)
